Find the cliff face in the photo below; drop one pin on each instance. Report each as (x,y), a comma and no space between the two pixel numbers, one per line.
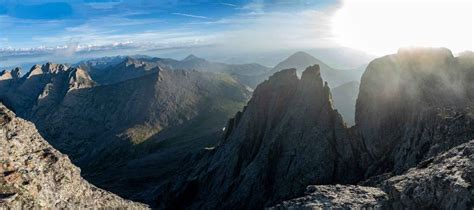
(288,137)
(35,175)
(413,105)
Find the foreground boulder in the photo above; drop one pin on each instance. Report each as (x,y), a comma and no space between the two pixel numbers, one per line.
(337,197)
(35,175)
(443,182)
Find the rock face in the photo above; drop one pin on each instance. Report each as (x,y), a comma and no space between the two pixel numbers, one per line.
(35,175)
(442,182)
(337,197)
(286,138)
(412,106)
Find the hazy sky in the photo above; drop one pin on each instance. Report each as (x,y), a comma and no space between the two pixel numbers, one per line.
(32,30)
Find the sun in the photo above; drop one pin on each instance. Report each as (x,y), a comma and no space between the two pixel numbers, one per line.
(383,26)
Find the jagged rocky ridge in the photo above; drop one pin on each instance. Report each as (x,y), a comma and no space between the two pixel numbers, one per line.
(35,175)
(41,88)
(289,136)
(412,107)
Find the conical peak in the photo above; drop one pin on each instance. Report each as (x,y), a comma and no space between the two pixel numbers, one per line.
(191,57)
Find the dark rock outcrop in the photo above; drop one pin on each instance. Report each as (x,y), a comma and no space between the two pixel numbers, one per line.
(412,106)
(35,175)
(442,182)
(288,136)
(337,197)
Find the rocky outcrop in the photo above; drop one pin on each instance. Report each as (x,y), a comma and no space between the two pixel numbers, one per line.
(337,197)
(288,136)
(442,182)
(413,105)
(35,175)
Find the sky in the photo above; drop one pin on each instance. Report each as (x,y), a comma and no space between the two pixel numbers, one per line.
(227,30)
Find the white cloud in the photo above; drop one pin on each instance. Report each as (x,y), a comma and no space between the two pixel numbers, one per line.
(190,15)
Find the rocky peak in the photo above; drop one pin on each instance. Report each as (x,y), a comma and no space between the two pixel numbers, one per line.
(79,78)
(14,74)
(191,57)
(287,132)
(48,68)
(35,175)
(405,96)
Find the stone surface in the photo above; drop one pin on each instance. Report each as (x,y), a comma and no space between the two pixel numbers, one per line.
(336,197)
(35,175)
(442,182)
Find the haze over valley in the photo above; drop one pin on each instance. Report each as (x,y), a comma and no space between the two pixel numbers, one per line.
(237,104)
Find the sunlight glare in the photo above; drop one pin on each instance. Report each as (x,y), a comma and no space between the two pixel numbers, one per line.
(383,26)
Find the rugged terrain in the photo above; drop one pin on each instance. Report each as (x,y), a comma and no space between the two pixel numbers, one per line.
(159,135)
(132,130)
(413,108)
(298,140)
(35,175)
